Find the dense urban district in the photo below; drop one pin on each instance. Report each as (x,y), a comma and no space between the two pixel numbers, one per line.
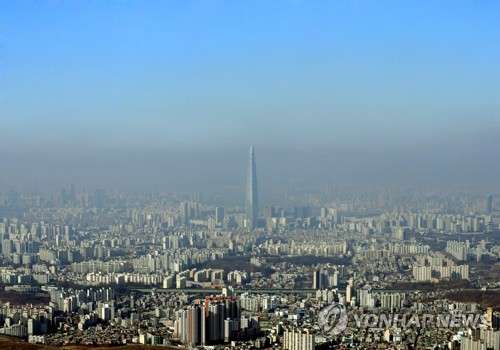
(406,269)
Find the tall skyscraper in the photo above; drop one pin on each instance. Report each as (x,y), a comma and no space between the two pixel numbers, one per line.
(489,204)
(252,201)
(219,215)
(184,211)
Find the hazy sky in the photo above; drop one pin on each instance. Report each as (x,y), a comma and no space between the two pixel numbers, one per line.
(107,92)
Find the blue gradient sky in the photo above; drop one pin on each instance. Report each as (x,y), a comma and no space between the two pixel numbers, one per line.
(378,80)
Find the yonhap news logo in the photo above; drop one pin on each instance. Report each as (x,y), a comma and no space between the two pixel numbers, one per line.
(333,319)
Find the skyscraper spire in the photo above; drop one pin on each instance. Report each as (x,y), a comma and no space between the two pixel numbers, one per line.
(252,201)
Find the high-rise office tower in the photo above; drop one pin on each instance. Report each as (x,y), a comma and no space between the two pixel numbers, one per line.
(268,217)
(489,204)
(219,215)
(252,201)
(184,213)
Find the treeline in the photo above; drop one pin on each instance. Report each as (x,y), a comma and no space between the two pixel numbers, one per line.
(487,298)
(310,260)
(430,286)
(21,298)
(241,263)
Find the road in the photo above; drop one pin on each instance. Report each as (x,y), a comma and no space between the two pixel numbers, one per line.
(258,290)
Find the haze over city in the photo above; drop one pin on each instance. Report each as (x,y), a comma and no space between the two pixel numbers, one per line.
(282,175)
(171,94)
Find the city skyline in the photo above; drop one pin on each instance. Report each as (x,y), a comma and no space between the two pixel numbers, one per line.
(130,196)
(354,92)
(142,269)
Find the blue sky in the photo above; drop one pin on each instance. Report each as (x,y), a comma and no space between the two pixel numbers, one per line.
(205,77)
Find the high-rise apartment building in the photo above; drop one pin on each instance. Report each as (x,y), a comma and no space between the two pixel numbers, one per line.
(213,320)
(302,339)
